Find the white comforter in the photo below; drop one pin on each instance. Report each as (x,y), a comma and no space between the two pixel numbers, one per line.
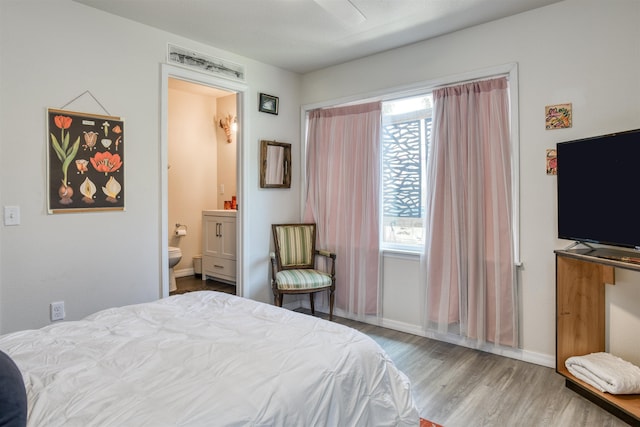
(207,359)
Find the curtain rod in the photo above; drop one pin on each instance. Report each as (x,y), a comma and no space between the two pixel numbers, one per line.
(416,92)
(389,94)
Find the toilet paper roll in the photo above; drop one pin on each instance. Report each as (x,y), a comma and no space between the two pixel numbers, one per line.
(181,232)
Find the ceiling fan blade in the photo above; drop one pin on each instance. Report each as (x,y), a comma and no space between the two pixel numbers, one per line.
(344,10)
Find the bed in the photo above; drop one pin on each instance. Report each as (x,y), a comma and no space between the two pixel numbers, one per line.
(207,359)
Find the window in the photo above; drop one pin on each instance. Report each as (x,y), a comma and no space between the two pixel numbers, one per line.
(404,148)
(406,131)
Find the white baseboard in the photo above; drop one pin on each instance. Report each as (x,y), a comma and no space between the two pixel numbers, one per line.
(292,305)
(541,359)
(546,360)
(402,327)
(183,272)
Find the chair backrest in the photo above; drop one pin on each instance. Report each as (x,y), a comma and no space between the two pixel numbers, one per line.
(295,245)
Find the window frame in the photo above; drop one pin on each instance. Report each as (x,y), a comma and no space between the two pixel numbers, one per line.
(403,118)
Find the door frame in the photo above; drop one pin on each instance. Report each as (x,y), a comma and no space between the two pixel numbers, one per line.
(169,71)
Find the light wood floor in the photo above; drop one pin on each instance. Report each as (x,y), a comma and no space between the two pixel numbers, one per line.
(460,387)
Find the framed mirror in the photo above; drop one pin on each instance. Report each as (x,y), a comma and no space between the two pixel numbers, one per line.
(275,164)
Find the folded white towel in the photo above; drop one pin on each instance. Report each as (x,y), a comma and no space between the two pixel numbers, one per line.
(606,372)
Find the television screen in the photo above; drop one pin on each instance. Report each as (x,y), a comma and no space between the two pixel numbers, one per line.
(598,192)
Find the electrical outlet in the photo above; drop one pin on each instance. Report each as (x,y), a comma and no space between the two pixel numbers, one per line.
(57,310)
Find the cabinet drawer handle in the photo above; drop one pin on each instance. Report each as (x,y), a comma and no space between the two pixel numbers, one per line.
(218,266)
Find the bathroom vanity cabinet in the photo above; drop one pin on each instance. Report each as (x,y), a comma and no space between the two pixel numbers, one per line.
(219,245)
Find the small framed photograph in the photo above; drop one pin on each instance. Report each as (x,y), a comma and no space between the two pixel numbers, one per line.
(558,116)
(268,104)
(552,161)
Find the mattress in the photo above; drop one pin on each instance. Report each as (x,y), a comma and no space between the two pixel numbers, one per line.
(207,359)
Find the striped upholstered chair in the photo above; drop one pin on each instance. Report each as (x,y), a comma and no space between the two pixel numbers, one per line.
(293,265)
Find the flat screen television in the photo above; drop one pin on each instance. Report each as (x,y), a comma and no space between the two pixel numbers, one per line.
(598,191)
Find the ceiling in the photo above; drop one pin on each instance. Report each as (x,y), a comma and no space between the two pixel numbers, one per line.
(306,35)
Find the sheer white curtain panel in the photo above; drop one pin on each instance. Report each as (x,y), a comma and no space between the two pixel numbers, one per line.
(469,249)
(343,185)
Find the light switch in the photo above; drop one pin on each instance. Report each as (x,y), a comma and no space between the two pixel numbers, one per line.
(221,188)
(12,215)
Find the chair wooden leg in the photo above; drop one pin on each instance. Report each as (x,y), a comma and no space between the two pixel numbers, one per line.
(313,308)
(279,300)
(331,302)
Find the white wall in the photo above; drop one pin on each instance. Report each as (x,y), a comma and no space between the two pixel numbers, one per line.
(579,51)
(192,172)
(226,152)
(54,50)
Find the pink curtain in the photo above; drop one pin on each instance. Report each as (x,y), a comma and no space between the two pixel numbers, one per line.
(343,178)
(469,254)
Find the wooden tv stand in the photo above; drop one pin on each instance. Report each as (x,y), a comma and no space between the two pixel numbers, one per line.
(580,318)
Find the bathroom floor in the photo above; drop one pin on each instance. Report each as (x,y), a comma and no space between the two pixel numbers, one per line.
(195,283)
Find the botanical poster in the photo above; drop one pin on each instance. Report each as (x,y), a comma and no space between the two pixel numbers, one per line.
(85,161)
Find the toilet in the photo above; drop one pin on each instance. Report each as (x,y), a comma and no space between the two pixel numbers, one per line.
(175,255)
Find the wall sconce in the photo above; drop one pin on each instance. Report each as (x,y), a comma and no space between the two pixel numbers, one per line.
(229,124)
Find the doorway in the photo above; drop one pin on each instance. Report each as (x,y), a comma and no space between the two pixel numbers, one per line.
(183,181)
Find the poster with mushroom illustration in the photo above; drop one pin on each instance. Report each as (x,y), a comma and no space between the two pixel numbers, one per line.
(85,162)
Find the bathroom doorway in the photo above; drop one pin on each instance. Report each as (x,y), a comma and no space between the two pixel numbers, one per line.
(201,161)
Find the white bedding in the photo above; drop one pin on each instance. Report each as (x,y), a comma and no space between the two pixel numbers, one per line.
(207,359)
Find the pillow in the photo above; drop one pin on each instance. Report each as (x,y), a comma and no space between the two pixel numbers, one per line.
(13,396)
